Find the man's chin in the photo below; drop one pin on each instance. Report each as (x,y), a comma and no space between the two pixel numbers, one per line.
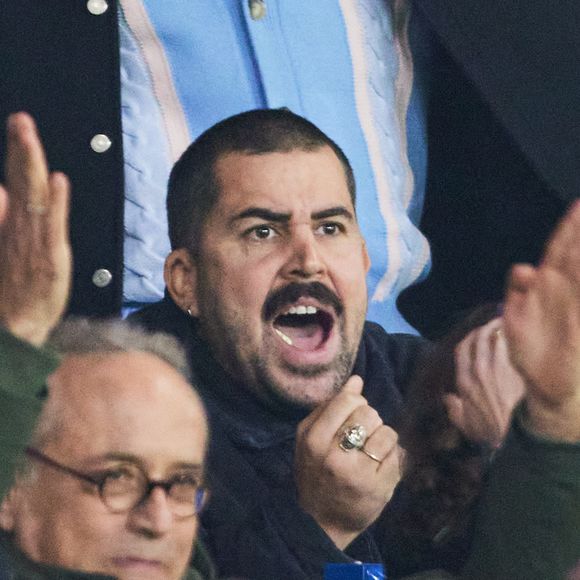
(298,390)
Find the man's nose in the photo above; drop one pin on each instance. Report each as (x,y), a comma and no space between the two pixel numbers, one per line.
(305,258)
(152,517)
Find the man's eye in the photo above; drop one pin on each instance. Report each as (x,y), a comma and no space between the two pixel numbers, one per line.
(120,476)
(262,232)
(185,480)
(184,488)
(330,228)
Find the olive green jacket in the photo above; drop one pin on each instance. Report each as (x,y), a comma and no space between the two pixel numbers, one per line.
(23,372)
(529,519)
(528,524)
(21,568)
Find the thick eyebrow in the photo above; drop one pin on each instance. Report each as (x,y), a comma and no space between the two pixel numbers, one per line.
(333,212)
(262,213)
(277,217)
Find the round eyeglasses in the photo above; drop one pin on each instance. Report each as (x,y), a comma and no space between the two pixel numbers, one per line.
(124,488)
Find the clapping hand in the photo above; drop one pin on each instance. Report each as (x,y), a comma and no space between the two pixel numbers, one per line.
(488,386)
(35,254)
(542,323)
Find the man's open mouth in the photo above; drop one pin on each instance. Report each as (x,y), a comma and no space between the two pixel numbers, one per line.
(305,327)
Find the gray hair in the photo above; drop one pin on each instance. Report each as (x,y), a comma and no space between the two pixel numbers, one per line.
(87,336)
(82,336)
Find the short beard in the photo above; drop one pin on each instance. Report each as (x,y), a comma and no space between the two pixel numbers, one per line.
(279,399)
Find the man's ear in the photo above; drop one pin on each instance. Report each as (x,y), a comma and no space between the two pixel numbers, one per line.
(180,274)
(366,257)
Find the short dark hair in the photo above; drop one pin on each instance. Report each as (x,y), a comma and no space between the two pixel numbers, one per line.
(193,189)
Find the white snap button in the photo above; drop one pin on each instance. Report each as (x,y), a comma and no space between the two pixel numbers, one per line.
(97,7)
(100,143)
(102,278)
(257,9)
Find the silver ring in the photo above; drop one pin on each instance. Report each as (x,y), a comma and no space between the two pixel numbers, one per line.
(353,437)
(36,209)
(369,454)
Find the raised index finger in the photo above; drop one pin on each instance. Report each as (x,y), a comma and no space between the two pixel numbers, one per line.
(26,168)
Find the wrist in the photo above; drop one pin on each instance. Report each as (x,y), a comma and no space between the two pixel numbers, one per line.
(27,330)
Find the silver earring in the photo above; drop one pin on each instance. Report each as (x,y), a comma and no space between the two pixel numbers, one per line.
(189,311)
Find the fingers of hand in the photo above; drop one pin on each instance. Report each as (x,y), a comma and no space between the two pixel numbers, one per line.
(3,204)
(357,427)
(545,335)
(495,331)
(455,410)
(464,355)
(380,444)
(26,167)
(363,415)
(322,424)
(354,385)
(375,469)
(59,200)
(484,377)
(484,349)
(391,469)
(35,252)
(476,359)
(520,282)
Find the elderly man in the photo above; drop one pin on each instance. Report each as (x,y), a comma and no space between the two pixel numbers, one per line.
(266,289)
(115,467)
(114,473)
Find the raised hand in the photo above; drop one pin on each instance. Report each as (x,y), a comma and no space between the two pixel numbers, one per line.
(345,491)
(488,386)
(35,255)
(542,323)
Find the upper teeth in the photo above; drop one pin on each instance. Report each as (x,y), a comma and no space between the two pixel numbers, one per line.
(301,310)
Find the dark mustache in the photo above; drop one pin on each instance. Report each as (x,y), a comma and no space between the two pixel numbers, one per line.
(291,293)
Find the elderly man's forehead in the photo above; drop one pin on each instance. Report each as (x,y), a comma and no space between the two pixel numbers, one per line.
(102,385)
(120,368)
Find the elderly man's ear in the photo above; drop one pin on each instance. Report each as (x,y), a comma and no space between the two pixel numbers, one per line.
(180,276)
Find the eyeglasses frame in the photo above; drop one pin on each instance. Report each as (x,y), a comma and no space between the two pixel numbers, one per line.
(165,485)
